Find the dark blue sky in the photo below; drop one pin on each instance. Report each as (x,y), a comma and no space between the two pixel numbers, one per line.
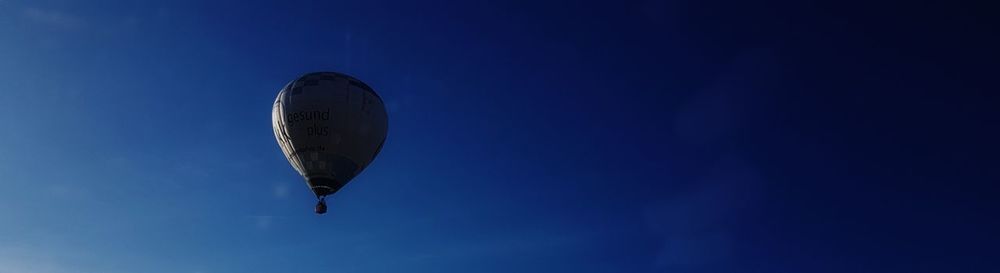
(582,136)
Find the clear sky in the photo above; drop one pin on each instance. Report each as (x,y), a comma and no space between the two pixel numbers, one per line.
(582,136)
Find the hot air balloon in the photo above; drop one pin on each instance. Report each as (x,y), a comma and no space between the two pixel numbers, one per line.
(330,126)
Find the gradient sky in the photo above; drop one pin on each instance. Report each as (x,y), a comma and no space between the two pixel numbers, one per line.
(582,136)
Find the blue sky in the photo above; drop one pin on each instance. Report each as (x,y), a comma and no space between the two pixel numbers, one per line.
(646,136)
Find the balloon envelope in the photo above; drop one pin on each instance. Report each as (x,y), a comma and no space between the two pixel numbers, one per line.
(330,127)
